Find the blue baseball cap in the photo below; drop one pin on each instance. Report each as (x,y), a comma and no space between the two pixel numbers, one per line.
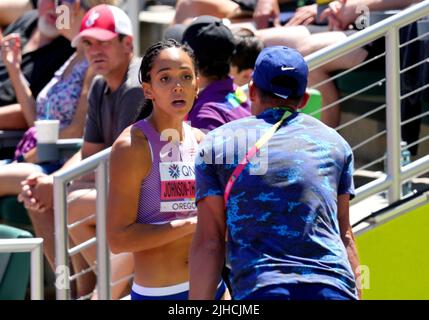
(282,71)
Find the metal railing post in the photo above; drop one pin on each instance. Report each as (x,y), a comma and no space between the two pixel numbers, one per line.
(133,8)
(393,114)
(103,262)
(35,246)
(61,236)
(37,271)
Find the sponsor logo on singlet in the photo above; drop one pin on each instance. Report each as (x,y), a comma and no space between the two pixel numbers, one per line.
(177,186)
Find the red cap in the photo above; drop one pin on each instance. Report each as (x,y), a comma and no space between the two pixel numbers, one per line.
(104,22)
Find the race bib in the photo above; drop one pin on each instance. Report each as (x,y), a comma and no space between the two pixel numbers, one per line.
(177,186)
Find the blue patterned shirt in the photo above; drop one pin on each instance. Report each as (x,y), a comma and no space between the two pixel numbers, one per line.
(282,210)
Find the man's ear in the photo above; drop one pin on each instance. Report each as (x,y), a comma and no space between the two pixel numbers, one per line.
(147,90)
(303,101)
(197,87)
(128,43)
(252,91)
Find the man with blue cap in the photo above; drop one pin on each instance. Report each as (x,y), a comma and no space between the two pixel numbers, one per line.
(280,196)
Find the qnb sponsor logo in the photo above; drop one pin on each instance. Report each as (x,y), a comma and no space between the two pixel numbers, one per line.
(174,171)
(177,171)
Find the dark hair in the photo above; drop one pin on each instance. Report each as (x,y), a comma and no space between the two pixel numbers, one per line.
(217,69)
(247,50)
(155,50)
(121,37)
(272,99)
(149,58)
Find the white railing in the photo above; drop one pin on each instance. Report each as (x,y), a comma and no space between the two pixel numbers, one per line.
(35,247)
(133,11)
(389,29)
(99,163)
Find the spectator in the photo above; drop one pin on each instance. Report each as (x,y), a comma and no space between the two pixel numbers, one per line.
(286,216)
(40,42)
(264,13)
(66,94)
(158,231)
(300,38)
(10,10)
(115,101)
(342,13)
(247,48)
(303,16)
(219,100)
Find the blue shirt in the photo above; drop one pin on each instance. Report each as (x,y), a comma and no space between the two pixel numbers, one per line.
(282,210)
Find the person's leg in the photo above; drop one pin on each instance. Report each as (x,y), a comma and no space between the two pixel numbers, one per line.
(43,226)
(10,10)
(82,208)
(315,42)
(85,283)
(300,38)
(11,176)
(12,118)
(411,80)
(188,9)
(293,37)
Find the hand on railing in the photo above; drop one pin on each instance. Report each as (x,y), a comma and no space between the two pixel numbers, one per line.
(267,14)
(339,15)
(303,16)
(37,192)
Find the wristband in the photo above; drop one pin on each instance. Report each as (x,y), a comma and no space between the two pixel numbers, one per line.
(20,158)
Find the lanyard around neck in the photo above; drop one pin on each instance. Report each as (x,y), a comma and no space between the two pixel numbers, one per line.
(252,151)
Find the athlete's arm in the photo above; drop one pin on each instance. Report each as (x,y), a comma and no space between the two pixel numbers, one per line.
(130,162)
(208,249)
(348,238)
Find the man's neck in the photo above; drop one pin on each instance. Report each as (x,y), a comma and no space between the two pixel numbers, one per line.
(115,78)
(206,81)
